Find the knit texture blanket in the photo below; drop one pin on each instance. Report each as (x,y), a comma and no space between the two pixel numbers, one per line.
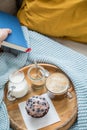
(47,51)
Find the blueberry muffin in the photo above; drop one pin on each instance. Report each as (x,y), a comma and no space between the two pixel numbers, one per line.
(37,106)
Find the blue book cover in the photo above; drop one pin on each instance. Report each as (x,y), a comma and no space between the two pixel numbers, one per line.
(16,39)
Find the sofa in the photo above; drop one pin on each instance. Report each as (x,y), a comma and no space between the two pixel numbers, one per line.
(11,7)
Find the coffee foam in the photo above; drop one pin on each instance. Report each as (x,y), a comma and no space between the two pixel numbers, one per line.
(57,83)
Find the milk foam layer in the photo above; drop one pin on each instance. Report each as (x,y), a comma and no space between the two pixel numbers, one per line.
(57,83)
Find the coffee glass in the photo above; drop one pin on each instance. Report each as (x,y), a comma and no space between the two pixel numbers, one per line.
(57,84)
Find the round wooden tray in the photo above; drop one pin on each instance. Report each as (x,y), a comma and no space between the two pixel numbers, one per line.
(66,107)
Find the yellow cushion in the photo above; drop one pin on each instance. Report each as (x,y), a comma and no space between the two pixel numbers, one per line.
(58,18)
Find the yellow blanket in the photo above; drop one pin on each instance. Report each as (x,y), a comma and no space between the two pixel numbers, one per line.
(58,18)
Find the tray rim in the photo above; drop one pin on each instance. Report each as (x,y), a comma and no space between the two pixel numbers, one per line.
(74,115)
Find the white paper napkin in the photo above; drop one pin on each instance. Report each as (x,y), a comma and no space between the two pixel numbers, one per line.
(36,123)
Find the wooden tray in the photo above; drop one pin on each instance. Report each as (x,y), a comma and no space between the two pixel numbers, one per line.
(66,108)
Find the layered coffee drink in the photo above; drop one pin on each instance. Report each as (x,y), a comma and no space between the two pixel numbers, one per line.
(57,83)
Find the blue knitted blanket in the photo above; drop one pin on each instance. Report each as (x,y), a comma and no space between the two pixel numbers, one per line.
(47,51)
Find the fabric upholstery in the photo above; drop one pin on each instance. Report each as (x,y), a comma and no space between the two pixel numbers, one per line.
(58,18)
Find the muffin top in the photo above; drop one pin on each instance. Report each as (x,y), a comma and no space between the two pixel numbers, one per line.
(37,106)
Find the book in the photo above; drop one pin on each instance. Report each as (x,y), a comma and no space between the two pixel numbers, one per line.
(16,39)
